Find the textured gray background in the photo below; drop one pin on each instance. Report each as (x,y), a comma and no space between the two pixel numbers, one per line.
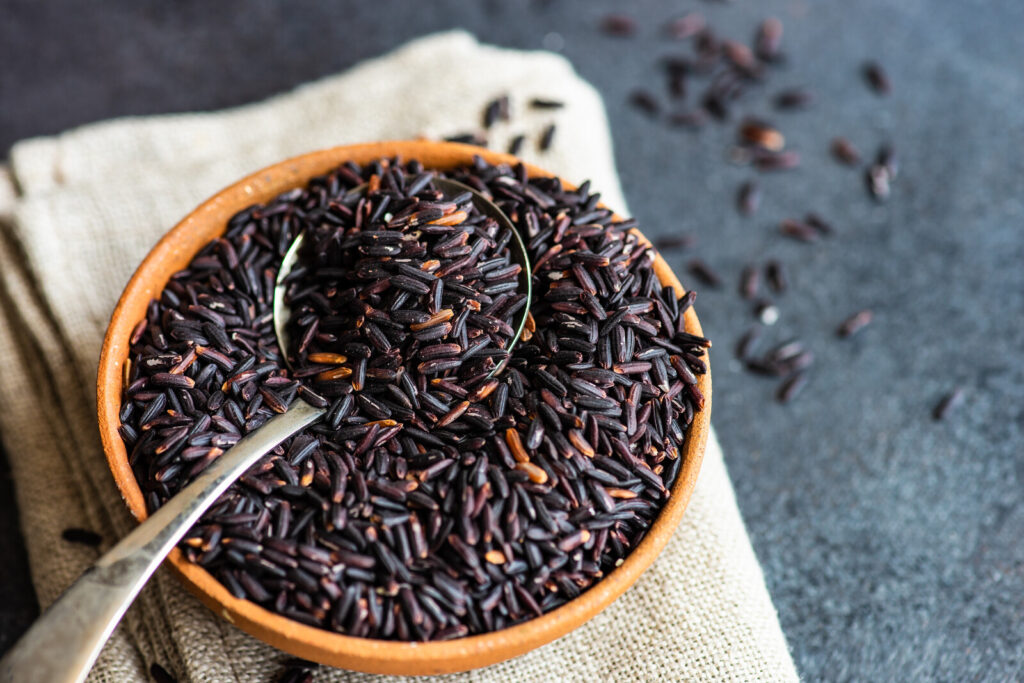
(890,543)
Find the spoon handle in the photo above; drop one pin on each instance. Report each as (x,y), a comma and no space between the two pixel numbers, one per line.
(65,641)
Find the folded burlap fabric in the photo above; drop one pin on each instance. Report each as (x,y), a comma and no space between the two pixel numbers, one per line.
(79,211)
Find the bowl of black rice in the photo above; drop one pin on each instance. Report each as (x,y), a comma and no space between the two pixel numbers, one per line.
(441,517)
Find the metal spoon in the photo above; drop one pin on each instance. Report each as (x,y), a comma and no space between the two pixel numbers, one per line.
(65,641)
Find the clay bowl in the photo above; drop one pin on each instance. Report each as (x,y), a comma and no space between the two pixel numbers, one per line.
(173,253)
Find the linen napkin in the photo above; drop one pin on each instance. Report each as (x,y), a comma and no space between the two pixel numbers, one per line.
(78,212)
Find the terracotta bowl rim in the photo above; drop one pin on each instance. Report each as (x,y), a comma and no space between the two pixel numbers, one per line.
(178,246)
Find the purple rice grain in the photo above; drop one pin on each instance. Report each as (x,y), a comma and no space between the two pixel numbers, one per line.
(516,145)
(768,40)
(877,179)
(815,221)
(791,387)
(876,78)
(949,403)
(468,139)
(794,98)
(682,241)
(645,102)
(543,103)
(742,58)
(703,272)
(692,119)
(798,230)
(855,323)
(547,137)
(715,105)
(746,343)
(844,151)
(775,161)
(761,134)
(618,25)
(82,537)
(886,157)
(748,198)
(750,281)
(775,275)
(496,110)
(686,26)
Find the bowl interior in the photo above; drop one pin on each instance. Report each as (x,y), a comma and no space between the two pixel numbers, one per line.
(173,253)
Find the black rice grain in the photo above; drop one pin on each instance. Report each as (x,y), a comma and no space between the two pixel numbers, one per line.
(791,387)
(82,537)
(795,98)
(748,198)
(798,230)
(496,110)
(854,323)
(877,179)
(775,161)
(775,275)
(645,102)
(686,26)
(750,281)
(876,78)
(683,241)
(768,40)
(948,404)
(545,103)
(818,223)
(516,145)
(761,134)
(703,272)
(468,139)
(618,25)
(746,343)
(546,138)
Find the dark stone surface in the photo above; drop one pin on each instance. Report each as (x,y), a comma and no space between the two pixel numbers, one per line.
(890,543)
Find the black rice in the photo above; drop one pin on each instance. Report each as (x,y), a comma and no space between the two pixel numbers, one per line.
(705,273)
(496,110)
(546,103)
(854,323)
(748,198)
(948,404)
(791,387)
(876,78)
(750,281)
(686,26)
(775,275)
(434,500)
(798,230)
(682,241)
(795,98)
(768,40)
(547,137)
(618,25)
(645,102)
(82,537)
(516,145)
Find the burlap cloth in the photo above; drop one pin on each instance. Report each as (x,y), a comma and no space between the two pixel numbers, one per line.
(80,210)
